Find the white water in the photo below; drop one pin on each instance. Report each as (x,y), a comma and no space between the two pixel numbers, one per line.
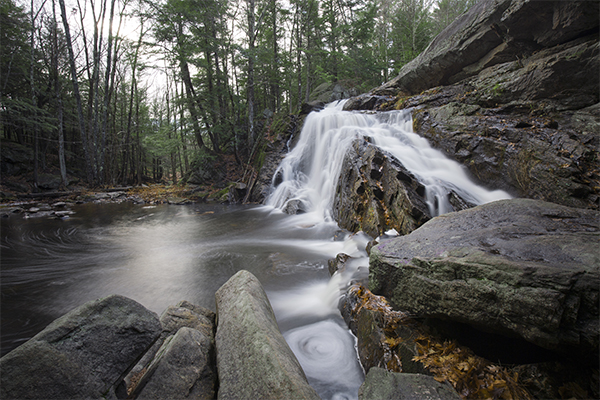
(306,179)
(309,173)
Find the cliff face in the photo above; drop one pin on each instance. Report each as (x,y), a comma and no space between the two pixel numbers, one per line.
(511,90)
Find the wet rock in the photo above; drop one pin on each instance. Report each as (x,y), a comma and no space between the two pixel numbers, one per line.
(513,267)
(284,132)
(237,193)
(184,368)
(375,193)
(544,163)
(293,207)
(253,359)
(338,263)
(84,354)
(385,385)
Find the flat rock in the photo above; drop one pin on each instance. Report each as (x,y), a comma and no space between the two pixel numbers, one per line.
(253,359)
(83,354)
(518,267)
(385,385)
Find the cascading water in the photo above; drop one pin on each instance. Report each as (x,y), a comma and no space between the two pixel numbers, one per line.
(305,184)
(308,175)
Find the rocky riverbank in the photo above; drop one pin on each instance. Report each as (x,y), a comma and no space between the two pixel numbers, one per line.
(114,348)
(510,90)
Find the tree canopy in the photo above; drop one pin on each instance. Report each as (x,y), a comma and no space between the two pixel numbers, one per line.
(118,91)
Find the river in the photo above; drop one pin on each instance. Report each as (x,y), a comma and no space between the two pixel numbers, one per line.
(159,255)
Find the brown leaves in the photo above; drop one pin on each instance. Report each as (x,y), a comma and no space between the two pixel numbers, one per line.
(473,377)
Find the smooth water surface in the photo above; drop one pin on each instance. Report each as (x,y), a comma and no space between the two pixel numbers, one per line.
(159,255)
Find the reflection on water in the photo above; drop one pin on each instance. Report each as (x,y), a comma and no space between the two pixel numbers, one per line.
(163,254)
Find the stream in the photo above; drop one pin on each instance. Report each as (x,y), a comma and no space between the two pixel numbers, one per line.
(159,255)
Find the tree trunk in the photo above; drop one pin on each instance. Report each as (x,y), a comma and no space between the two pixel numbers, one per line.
(58,97)
(76,92)
(250,84)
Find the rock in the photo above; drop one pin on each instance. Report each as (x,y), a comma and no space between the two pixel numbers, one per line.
(329,92)
(384,385)
(83,354)
(375,193)
(49,181)
(508,90)
(204,170)
(237,193)
(491,33)
(365,102)
(184,314)
(514,267)
(338,263)
(371,326)
(17,186)
(253,359)
(177,200)
(309,107)
(284,132)
(536,162)
(183,369)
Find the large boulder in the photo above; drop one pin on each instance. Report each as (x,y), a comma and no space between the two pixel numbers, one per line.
(375,193)
(183,369)
(516,267)
(493,32)
(83,354)
(253,359)
(385,385)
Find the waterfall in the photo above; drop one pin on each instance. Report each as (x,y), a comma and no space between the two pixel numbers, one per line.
(304,184)
(307,177)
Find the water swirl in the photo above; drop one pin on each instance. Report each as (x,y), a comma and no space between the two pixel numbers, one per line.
(327,354)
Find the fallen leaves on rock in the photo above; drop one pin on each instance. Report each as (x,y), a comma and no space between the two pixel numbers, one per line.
(473,377)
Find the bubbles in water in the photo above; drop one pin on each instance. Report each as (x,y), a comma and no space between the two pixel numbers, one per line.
(327,353)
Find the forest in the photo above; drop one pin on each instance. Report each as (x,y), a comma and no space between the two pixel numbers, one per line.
(119,92)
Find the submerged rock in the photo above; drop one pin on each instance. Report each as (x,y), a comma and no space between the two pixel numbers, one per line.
(84,354)
(253,359)
(516,267)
